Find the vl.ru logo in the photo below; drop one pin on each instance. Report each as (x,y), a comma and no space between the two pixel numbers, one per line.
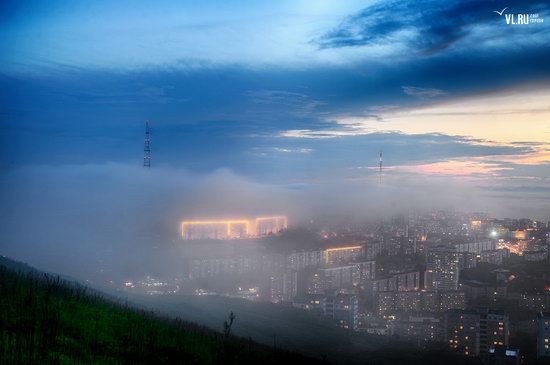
(519,19)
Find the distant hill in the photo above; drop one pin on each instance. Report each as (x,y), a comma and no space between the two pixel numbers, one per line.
(47,320)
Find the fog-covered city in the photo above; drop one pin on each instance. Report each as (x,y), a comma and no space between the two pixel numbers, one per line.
(358,182)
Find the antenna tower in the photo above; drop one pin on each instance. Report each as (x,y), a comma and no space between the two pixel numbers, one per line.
(380,172)
(147,146)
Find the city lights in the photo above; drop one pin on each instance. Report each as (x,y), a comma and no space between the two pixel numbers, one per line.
(233,228)
(329,251)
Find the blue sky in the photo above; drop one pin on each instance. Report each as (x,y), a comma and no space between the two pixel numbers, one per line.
(292,93)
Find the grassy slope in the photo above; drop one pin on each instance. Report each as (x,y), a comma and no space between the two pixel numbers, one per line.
(289,328)
(46,320)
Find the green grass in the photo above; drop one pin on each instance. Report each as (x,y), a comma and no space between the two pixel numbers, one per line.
(45,320)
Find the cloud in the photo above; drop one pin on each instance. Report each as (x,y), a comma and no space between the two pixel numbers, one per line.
(293,150)
(299,104)
(426,28)
(455,168)
(423,92)
(150,94)
(486,118)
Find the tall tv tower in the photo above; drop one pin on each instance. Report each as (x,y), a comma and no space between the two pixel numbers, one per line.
(146,146)
(380,172)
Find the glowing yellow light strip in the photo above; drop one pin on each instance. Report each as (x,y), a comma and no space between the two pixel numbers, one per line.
(280,222)
(276,218)
(329,250)
(228,223)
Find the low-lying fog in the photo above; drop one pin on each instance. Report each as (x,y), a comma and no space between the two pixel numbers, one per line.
(70,219)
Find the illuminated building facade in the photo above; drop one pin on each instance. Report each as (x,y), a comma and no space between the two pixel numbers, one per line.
(476,247)
(493,257)
(423,330)
(335,277)
(265,226)
(216,230)
(430,301)
(520,235)
(475,333)
(373,249)
(462,332)
(535,302)
(385,303)
(475,224)
(241,264)
(408,301)
(284,286)
(442,265)
(398,282)
(302,259)
(389,302)
(363,271)
(233,229)
(343,254)
(452,300)
(343,308)
(467,260)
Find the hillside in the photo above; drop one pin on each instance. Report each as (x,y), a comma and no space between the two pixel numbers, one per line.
(46,320)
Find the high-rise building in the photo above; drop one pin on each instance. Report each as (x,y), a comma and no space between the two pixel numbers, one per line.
(398,282)
(430,302)
(232,229)
(218,230)
(266,226)
(337,255)
(363,271)
(422,330)
(389,302)
(442,264)
(467,260)
(385,302)
(373,249)
(408,301)
(475,333)
(343,309)
(303,259)
(543,334)
(494,257)
(452,300)
(290,285)
(498,328)
(284,286)
(476,247)
(334,277)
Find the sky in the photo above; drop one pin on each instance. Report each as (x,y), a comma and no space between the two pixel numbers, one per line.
(290,99)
